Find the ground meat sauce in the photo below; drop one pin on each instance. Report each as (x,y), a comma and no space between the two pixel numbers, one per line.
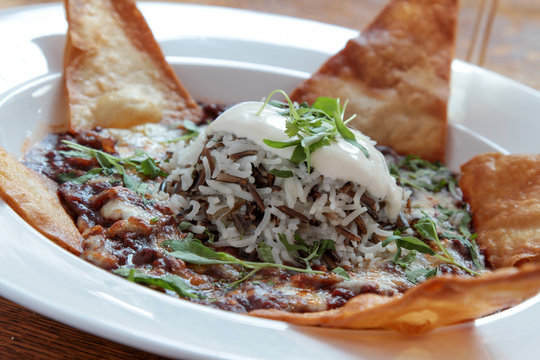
(124,227)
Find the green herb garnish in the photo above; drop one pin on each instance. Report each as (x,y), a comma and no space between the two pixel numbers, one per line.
(184,226)
(282,173)
(72,177)
(170,282)
(193,252)
(464,234)
(312,252)
(414,275)
(192,131)
(210,235)
(421,174)
(265,252)
(110,164)
(426,229)
(341,272)
(313,127)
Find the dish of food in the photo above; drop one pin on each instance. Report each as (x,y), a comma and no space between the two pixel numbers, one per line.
(288,78)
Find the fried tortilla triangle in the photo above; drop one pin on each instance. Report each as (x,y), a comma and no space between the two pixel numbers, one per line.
(115,73)
(504,194)
(29,195)
(395,76)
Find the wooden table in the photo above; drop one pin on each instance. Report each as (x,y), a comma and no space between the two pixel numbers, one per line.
(513,50)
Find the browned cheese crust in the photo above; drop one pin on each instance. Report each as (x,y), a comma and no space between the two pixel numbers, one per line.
(28,194)
(396,76)
(437,302)
(504,194)
(114,71)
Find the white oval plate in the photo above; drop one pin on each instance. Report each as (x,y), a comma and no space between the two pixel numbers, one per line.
(227,55)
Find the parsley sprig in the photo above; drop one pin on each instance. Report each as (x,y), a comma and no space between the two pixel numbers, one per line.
(110,164)
(313,127)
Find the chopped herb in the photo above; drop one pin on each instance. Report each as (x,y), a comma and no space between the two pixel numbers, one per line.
(138,187)
(426,229)
(210,235)
(312,252)
(417,173)
(281,144)
(265,252)
(193,252)
(464,234)
(149,168)
(190,126)
(111,164)
(341,272)
(406,260)
(282,173)
(415,275)
(192,131)
(409,243)
(72,177)
(313,127)
(170,282)
(184,226)
(154,220)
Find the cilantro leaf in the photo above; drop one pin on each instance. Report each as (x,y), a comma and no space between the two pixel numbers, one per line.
(409,243)
(341,272)
(265,252)
(282,173)
(281,144)
(415,275)
(72,177)
(314,251)
(170,282)
(149,168)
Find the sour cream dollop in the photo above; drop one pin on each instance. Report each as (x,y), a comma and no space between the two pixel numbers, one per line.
(340,160)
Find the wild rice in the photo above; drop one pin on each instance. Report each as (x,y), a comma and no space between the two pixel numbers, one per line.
(247,205)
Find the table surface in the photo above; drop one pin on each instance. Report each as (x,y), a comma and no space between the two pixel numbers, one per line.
(513,50)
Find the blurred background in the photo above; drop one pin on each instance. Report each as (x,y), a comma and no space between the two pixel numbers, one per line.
(500,35)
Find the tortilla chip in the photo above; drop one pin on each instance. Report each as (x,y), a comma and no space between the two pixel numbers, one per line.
(30,197)
(504,194)
(437,302)
(115,73)
(396,77)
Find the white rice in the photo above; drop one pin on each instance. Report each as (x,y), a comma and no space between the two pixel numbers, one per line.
(330,208)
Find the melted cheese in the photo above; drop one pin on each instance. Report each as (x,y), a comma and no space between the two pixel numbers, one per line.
(129,106)
(116,209)
(340,160)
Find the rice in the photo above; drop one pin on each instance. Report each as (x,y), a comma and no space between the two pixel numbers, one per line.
(224,183)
